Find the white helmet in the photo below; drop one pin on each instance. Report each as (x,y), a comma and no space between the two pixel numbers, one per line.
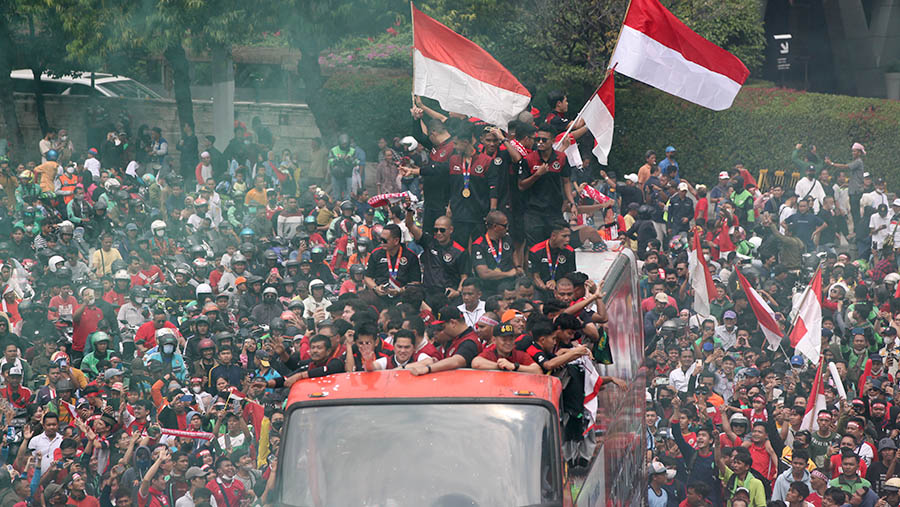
(204,288)
(892,278)
(755,241)
(121,275)
(111,184)
(157,225)
(56,259)
(410,143)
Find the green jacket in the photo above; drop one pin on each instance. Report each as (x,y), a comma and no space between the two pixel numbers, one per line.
(802,165)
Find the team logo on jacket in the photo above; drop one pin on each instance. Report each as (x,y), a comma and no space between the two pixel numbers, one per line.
(479,169)
(447,257)
(506,246)
(561,259)
(403,261)
(556,164)
(498,161)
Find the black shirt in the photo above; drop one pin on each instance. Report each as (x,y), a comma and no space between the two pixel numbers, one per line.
(506,190)
(482,181)
(546,194)
(407,266)
(629,194)
(561,261)
(442,265)
(435,174)
(482,255)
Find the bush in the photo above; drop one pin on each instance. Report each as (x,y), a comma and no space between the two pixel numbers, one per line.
(760,129)
(367,105)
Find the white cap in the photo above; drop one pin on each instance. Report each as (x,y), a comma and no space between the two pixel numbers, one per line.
(632,177)
(896,202)
(723,175)
(15,370)
(682,186)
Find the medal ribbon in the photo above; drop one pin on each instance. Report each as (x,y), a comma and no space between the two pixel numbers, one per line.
(550,264)
(466,171)
(392,270)
(498,253)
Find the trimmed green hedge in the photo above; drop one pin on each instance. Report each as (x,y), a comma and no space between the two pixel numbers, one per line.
(760,129)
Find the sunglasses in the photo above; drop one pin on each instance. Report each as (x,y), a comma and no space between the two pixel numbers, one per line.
(383,240)
(541,139)
(502,225)
(440,229)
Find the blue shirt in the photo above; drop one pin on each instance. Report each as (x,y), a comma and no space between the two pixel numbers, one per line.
(665,167)
(657,501)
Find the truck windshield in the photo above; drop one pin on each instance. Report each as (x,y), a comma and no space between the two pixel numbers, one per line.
(421,455)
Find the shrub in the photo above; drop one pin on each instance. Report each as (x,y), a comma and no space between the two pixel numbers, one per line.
(760,129)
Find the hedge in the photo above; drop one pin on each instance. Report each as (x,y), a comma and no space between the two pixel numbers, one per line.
(760,129)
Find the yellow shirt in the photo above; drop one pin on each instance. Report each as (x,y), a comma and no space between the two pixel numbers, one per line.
(255,197)
(45,175)
(101,261)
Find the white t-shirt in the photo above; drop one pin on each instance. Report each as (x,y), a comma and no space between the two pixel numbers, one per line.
(44,448)
(93,165)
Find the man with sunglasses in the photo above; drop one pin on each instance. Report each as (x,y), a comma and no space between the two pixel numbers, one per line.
(391,266)
(492,254)
(544,181)
(444,261)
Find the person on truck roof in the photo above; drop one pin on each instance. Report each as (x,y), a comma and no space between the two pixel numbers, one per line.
(319,364)
(502,354)
(457,344)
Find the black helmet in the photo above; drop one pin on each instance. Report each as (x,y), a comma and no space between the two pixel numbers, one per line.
(64,274)
(198,251)
(270,255)
(224,335)
(287,281)
(357,269)
(248,249)
(317,253)
(364,241)
(645,212)
(347,206)
(277,324)
(138,294)
(201,319)
(118,265)
(100,205)
(25,307)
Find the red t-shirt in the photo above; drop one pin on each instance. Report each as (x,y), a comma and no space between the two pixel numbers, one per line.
(517,356)
(814,499)
(154,498)
(147,333)
(62,306)
(837,470)
(762,463)
(234,491)
(724,441)
(84,326)
(701,211)
(87,501)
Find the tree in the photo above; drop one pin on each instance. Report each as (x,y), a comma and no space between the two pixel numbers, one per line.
(7,100)
(313,25)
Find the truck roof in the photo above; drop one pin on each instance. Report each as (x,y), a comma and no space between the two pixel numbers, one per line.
(400,384)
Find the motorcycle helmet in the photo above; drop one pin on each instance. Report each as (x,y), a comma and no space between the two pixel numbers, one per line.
(317,254)
(52,155)
(277,325)
(157,225)
(357,269)
(122,275)
(138,294)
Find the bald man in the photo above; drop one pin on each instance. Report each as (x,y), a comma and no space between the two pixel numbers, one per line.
(444,262)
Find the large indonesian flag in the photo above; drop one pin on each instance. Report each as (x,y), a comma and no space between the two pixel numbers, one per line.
(815,403)
(763,312)
(461,76)
(598,115)
(656,48)
(806,335)
(701,279)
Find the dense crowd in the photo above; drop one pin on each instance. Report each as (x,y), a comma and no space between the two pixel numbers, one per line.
(159,300)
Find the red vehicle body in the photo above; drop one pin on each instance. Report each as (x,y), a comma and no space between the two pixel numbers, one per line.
(469,437)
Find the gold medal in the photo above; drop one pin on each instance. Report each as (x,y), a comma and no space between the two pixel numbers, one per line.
(466,193)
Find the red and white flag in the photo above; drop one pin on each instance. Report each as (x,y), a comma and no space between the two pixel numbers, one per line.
(763,312)
(71,408)
(461,76)
(806,334)
(815,403)
(701,279)
(594,195)
(598,114)
(658,49)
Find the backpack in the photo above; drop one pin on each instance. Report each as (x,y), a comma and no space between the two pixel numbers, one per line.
(729,486)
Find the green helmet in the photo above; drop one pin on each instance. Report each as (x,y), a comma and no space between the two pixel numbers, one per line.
(100,336)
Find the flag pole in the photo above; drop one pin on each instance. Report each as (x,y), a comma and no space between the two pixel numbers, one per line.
(580,113)
(412,22)
(619,36)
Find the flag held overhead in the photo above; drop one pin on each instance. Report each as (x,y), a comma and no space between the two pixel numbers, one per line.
(656,48)
(461,76)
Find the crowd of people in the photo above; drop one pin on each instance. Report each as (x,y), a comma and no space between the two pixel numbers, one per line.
(156,305)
